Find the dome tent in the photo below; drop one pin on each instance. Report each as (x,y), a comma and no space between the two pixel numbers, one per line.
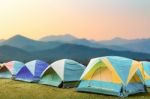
(112,75)
(10,69)
(31,71)
(63,72)
(146,72)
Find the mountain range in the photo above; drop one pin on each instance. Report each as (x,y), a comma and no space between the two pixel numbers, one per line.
(52,48)
(135,45)
(27,44)
(61,38)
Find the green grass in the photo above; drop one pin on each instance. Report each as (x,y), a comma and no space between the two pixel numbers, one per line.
(20,90)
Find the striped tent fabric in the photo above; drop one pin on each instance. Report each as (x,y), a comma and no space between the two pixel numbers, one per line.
(10,69)
(66,72)
(31,71)
(112,75)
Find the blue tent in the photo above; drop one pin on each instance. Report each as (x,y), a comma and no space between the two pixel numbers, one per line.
(31,71)
(112,75)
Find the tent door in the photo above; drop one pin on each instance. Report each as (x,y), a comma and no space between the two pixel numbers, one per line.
(135,85)
(5,73)
(51,78)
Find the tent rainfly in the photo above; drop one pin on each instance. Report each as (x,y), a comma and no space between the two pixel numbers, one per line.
(146,72)
(112,75)
(10,69)
(62,73)
(31,71)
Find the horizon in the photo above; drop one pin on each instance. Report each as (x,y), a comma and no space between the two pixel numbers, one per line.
(90,19)
(73,36)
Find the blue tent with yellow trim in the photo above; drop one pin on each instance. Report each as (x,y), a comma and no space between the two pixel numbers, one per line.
(112,75)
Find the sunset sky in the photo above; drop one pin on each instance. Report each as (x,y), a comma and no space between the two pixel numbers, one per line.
(91,19)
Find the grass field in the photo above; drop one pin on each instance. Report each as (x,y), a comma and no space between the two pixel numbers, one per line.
(20,90)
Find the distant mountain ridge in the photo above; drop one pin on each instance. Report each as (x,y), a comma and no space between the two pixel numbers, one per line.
(83,52)
(135,45)
(34,45)
(115,41)
(50,42)
(27,44)
(61,38)
(73,40)
(76,52)
(12,53)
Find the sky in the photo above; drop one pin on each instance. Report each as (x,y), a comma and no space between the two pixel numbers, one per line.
(91,19)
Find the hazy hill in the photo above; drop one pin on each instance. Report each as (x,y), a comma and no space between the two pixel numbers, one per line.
(135,45)
(62,38)
(8,53)
(94,44)
(84,54)
(73,40)
(27,44)
(34,45)
(115,41)
(77,52)
(141,45)
(25,49)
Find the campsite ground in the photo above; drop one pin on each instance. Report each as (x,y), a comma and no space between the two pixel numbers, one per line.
(20,90)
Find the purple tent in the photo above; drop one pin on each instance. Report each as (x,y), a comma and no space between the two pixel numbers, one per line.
(31,71)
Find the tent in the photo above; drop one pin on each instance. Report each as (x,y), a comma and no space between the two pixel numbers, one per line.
(31,71)
(146,72)
(62,73)
(112,75)
(10,69)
